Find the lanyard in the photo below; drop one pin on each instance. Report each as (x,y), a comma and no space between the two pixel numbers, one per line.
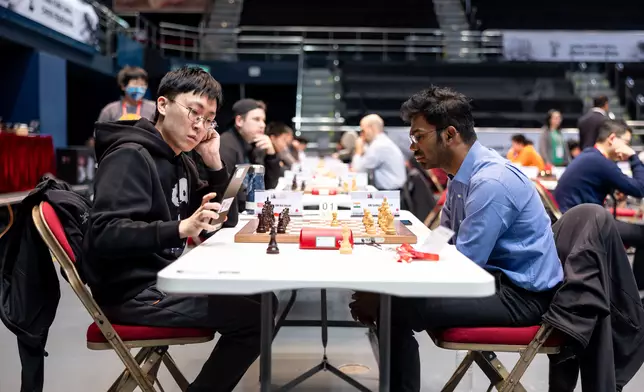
(138,109)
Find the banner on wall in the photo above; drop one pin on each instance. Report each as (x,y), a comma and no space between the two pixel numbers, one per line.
(573,46)
(188,6)
(73,18)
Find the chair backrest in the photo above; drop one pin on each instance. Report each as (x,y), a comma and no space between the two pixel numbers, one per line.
(433,219)
(53,234)
(548,200)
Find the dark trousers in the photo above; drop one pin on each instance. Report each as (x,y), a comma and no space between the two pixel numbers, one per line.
(633,235)
(236,318)
(509,307)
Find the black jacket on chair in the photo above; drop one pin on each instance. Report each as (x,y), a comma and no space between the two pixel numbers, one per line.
(29,288)
(598,306)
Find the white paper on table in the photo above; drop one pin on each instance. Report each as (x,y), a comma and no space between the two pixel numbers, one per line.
(437,239)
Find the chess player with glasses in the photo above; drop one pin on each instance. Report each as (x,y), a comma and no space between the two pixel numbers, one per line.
(499,223)
(148,201)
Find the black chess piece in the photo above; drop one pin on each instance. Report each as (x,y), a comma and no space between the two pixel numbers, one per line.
(281,226)
(261,224)
(286,216)
(272,243)
(303,186)
(294,184)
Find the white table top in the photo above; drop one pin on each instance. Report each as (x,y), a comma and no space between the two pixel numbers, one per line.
(220,266)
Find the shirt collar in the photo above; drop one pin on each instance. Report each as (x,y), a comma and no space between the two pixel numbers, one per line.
(467,167)
(599,110)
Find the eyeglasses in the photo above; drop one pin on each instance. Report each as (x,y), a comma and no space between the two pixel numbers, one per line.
(193,116)
(416,138)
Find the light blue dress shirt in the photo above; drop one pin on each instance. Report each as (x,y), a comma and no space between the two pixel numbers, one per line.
(500,221)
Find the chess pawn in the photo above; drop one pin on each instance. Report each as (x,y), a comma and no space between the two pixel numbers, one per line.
(281,226)
(354,184)
(345,246)
(334,220)
(303,186)
(272,243)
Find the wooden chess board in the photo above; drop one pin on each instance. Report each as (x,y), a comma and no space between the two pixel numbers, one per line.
(248,233)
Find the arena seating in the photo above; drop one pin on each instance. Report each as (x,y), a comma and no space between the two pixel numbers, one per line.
(618,77)
(555,14)
(508,95)
(339,13)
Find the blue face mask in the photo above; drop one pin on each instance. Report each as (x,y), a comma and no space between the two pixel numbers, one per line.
(135,92)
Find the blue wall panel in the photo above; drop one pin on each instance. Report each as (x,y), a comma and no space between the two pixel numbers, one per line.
(53,85)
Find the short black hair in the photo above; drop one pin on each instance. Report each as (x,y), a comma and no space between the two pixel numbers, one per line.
(442,107)
(189,80)
(521,139)
(609,127)
(278,129)
(572,144)
(130,73)
(301,139)
(600,101)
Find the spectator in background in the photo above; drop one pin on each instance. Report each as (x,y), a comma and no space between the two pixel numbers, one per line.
(133,81)
(574,148)
(282,136)
(299,146)
(590,122)
(382,156)
(346,147)
(552,146)
(523,153)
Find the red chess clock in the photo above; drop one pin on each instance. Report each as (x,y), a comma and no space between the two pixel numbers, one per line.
(315,191)
(322,237)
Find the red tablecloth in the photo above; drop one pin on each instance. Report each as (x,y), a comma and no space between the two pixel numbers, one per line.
(23,159)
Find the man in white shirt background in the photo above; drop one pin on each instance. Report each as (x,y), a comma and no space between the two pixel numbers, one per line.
(382,156)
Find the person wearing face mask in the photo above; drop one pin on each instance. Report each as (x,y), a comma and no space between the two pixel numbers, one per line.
(133,81)
(247,142)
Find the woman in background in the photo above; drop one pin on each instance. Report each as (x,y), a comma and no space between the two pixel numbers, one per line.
(552,146)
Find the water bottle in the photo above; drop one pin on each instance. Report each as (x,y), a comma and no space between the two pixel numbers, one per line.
(253,182)
(467,382)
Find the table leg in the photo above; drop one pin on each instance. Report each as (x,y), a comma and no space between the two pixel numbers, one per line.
(384,341)
(266,341)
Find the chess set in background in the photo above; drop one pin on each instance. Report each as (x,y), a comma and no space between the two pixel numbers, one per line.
(383,230)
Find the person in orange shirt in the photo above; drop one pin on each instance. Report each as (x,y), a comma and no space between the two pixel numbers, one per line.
(523,153)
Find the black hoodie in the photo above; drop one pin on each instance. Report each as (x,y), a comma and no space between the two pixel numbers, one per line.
(142,191)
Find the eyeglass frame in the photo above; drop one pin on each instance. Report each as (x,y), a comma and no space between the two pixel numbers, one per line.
(199,118)
(415,140)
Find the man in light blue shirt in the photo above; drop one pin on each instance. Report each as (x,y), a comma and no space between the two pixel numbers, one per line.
(382,156)
(500,224)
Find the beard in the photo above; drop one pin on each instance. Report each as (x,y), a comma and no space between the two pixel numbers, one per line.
(439,157)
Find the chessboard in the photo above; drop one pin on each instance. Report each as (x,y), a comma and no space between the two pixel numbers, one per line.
(249,234)
(384,230)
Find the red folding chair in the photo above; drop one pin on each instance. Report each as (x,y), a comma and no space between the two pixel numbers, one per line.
(482,343)
(140,370)
(548,200)
(433,218)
